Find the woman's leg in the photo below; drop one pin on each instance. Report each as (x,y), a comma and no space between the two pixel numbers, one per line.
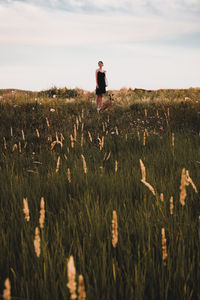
(98,103)
(101,101)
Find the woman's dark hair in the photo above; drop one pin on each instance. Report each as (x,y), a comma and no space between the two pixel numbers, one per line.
(100,61)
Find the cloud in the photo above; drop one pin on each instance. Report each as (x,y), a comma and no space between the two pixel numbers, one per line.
(32,25)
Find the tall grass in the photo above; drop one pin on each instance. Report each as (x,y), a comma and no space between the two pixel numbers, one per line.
(83,180)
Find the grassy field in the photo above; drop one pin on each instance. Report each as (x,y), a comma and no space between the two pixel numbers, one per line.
(44,141)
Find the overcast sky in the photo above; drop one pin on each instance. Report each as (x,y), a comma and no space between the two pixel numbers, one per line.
(143,43)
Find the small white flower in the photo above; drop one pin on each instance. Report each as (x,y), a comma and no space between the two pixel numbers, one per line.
(52,109)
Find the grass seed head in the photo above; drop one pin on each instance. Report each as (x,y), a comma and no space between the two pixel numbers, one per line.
(164,245)
(26,209)
(81,288)
(58,164)
(42,213)
(69,175)
(143,170)
(171,207)
(71,278)
(114,229)
(37,241)
(183,193)
(7,290)
(84,164)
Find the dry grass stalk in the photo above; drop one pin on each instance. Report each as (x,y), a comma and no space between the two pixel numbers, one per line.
(164,245)
(116,130)
(161,197)
(144,138)
(189,181)
(26,209)
(81,288)
(57,137)
(143,171)
(47,121)
(71,278)
(14,147)
(145,112)
(61,138)
(116,166)
(114,229)
(183,193)
(69,175)
(82,113)
(149,186)
(7,290)
(90,136)
(82,127)
(172,139)
(171,207)
(11,131)
(72,141)
(23,135)
(58,164)
(109,154)
(37,132)
(42,213)
(126,137)
(168,112)
(75,133)
(20,147)
(84,164)
(103,126)
(4,143)
(37,241)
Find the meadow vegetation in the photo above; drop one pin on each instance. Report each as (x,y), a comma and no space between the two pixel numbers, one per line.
(113,198)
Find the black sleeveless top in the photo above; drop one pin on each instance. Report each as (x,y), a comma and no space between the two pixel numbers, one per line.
(101,83)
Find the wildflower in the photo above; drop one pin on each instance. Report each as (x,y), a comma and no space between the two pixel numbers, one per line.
(114,229)
(37,242)
(71,278)
(26,209)
(52,110)
(81,288)
(7,290)
(42,213)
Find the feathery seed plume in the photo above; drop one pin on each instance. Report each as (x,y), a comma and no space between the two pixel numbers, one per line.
(114,229)
(171,207)
(84,164)
(143,171)
(23,136)
(164,245)
(81,288)
(47,121)
(37,241)
(189,181)
(72,141)
(42,213)
(7,290)
(26,209)
(58,164)
(4,143)
(116,166)
(183,193)
(69,175)
(71,278)
(149,186)
(90,136)
(161,197)
(37,132)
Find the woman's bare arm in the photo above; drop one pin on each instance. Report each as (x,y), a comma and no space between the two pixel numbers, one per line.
(96,79)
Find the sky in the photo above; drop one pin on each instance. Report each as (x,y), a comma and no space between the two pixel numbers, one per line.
(148,44)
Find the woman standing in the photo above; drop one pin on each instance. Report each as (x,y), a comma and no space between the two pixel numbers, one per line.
(100,76)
